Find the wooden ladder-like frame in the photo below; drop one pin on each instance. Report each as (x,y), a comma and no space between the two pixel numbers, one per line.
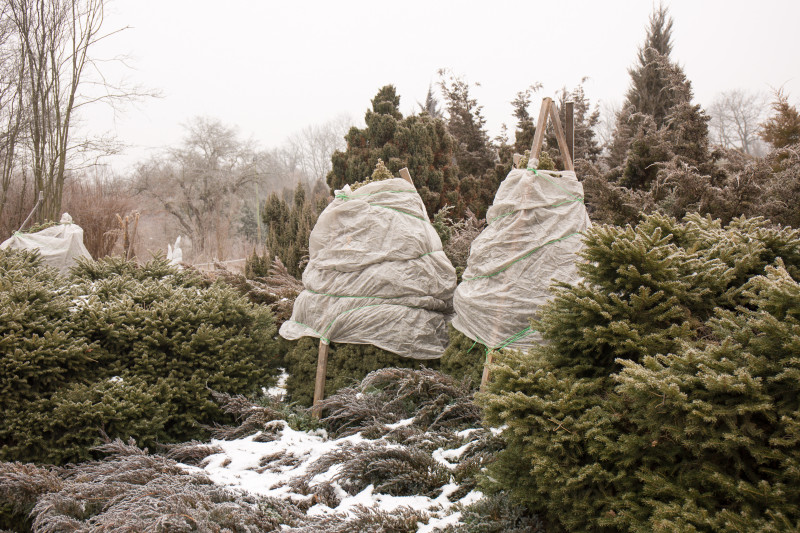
(565,144)
(549,109)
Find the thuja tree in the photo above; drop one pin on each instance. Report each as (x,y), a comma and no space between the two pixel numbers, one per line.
(665,396)
(288,226)
(419,142)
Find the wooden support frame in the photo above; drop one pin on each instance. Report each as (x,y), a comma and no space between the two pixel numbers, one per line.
(322,359)
(565,145)
(570,127)
(405,175)
(319,385)
(548,109)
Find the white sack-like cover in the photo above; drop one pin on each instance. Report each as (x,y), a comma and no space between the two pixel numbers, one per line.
(532,238)
(376,274)
(59,245)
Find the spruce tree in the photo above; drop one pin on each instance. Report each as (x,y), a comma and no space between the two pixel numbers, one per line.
(120,349)
(665,396)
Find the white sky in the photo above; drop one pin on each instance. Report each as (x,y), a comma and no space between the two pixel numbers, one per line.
(272,68)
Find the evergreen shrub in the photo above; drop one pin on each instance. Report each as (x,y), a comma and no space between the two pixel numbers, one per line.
(463,358)
(123,350)
(666,397)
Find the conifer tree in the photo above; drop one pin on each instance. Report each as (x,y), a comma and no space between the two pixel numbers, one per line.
(466,123)
(523,135)
(122,349)
(783,128)
(665,396)
(288,228)
(421,143)
(584,121)
(658,85)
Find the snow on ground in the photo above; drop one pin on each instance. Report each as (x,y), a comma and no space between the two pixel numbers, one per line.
(240,466)
(279,390)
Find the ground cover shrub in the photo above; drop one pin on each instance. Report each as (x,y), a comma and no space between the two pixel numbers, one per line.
(348,364)
(665,396)
(132,490)
(120,349)
(430,442)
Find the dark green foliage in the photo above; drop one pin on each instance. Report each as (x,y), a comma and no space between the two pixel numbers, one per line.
(421,143)
(38,350)
(466,123)
(172,329)
(121,349)
(289,226)
(463,358)
(75,418)
(347,364)
(665,398)
(257,265)
(525,130)
(496,514)
(658,125)
(733,185)
(585,120)
(480,169)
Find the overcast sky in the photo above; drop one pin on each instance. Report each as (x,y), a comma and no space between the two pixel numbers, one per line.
(272,68)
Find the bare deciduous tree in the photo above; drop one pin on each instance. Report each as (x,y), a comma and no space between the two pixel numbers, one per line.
(313,146)
(12,68)
(54,40)
(735,119)
(46,52)
(201,183)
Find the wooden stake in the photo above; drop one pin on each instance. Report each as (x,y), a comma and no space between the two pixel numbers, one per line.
(485,377)
(561,138)
(129,250)
(538,137)
(570,127)
(405,175)
(319,387)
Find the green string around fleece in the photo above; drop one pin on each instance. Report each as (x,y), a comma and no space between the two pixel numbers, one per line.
(346,197)
(527,255)
(510,340)
(330,324)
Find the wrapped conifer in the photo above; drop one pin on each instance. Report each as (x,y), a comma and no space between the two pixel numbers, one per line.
(376,274)
(532,237)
